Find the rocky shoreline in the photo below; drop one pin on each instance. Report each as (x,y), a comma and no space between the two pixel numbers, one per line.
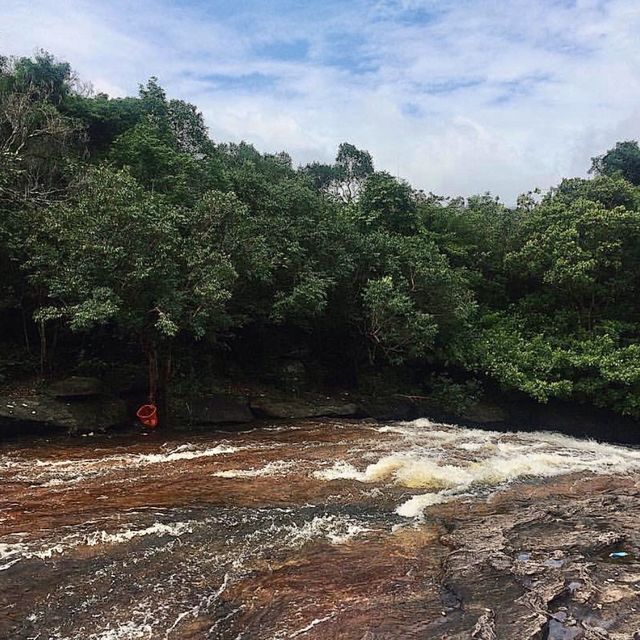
(80,405)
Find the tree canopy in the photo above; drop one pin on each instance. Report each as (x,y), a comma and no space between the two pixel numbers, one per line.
(123,222)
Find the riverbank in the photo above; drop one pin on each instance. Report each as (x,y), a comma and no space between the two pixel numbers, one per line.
(81,405)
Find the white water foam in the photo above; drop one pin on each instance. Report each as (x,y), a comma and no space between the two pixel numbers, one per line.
(450,461)
(333,528)
(54,473)
(277,468)
(16,551)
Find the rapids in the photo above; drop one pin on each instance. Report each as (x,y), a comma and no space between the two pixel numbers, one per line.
(319,529)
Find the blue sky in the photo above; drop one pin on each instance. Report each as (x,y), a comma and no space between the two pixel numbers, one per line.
(458,96)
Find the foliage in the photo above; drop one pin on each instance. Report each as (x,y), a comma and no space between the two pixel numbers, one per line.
(453,397)
(115,253)
(121,221)
(623,160)
(344,179)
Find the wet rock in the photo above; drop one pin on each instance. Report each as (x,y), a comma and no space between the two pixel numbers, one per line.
(216,409)
(541,575)
(76,387)
(304,408)
(97,413)
(485,627)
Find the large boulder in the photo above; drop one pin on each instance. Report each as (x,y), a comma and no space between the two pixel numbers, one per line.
(215,409)
(90,414)
(305,408)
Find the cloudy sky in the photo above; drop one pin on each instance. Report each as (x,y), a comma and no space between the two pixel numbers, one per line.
(458,96)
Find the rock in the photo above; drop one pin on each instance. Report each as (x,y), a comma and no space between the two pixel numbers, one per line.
(216,409)
(483,412)
(90,414)
(76,387)
(300,408)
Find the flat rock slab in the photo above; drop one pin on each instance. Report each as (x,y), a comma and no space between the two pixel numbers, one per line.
(216,409)
(76,387)
(304,408)
(91,414)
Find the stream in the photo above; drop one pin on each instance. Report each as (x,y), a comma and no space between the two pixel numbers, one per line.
(320,530)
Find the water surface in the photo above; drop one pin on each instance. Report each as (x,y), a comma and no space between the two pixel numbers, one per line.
(319,529)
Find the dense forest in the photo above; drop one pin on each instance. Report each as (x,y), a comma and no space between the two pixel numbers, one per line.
(129,238)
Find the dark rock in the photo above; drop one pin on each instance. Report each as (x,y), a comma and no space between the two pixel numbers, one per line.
(76,387)
(90,414)
(305,408)
(215,409)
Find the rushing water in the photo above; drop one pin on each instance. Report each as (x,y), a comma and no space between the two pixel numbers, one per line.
(319,530)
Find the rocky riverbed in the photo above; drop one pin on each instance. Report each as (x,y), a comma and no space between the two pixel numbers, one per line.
(320,529)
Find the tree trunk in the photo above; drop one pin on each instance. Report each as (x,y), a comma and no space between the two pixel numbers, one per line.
(43,347)
(159,380)
(164,385)
(25,328)
(52,349)
(152,357)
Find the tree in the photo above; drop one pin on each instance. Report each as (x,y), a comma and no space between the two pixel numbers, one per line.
(413,300)
(583,257)
(573,272)
(38,145)
(623,160)
(168,149)
(344,179)
(35,138)
(395,325)
(352,168)
(115,254)
(386,202)
(47,77)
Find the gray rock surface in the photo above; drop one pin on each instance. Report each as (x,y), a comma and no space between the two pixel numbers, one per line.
(389,408)
(91,414)
(76,387)
(215,409)
(304,408)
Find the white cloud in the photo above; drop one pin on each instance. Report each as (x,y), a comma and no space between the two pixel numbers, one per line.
(458,96)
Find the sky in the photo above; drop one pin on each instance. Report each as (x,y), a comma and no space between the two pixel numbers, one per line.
(457,96)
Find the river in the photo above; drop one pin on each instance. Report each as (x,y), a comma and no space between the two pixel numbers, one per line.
(320,530)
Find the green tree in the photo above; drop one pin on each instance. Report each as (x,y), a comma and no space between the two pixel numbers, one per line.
(115,254)
(623,160)
(388,203)
(344,179)
(38,147)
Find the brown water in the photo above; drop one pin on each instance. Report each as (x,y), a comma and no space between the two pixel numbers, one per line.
(319,530)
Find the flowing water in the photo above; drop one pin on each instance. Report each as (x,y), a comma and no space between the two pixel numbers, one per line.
(320,530)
